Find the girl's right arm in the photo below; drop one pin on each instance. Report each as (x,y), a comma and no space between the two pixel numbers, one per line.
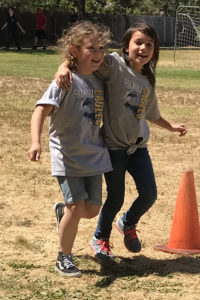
(37,121)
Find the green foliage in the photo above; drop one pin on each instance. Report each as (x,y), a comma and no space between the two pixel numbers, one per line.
(59,5)
(48,5)
(95,6)
(21,5)
(117,7)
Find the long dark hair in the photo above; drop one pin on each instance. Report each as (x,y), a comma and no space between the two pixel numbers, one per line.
(149,69)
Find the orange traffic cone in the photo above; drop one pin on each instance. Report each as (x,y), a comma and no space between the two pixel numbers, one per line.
(185,230)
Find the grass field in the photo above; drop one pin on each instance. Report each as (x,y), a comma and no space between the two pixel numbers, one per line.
(29,241)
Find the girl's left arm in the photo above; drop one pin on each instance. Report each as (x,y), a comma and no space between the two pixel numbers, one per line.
(169,126)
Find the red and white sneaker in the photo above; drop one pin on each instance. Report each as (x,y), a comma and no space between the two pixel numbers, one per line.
(131,240)
(101,249)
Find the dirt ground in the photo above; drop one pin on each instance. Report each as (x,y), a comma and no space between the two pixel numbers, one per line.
(29,242)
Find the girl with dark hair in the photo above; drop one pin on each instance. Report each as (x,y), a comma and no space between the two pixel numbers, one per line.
(131,100)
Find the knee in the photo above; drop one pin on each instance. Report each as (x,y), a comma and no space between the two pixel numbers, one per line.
(114,204)
(93,212)
(152,199)
(150,196)
(154,194)
(75,210)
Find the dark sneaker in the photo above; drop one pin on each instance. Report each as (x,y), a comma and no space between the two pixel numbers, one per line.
(65,265)
(131,240)
(101,249)
(59,211)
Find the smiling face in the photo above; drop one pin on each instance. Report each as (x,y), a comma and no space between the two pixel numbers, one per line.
(89,55)
(140,50)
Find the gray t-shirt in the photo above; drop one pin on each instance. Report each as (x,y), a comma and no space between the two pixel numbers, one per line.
(130,101)
(76,143)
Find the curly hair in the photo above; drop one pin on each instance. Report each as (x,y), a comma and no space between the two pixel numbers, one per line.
(75,35)
(149,69)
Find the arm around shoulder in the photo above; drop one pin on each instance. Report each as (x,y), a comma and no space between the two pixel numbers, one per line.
(63,76)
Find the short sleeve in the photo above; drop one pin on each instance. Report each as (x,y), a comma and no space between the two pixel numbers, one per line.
(152,111)
(53,95)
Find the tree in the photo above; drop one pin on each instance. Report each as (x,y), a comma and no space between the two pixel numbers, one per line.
(21,5)
(31,5)
(81,9)
(116,7)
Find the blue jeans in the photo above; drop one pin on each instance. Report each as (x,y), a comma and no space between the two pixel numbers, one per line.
(140,168)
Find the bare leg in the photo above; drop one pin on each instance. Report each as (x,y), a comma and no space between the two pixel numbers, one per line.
(69,223)
(90,210)
(69,226)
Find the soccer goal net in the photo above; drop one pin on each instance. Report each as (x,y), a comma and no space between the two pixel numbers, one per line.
(187,28)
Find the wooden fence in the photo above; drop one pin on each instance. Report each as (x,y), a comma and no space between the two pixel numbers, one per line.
(165,26)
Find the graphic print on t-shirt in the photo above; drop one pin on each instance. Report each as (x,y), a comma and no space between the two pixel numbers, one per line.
(92,103)
(136,102)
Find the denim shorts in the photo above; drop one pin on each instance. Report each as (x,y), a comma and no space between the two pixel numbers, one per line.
(75,189)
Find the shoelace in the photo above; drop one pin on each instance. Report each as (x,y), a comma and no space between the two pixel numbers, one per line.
(67,263)
(132,233)
(105,246)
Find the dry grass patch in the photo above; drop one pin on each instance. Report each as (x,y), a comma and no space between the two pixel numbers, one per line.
(29,242)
